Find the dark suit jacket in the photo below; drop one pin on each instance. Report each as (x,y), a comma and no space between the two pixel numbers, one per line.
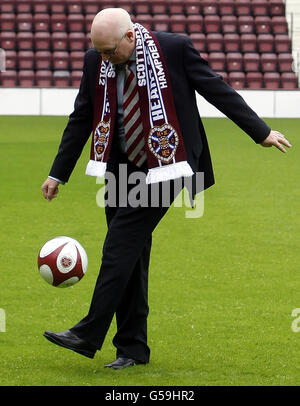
(188,72)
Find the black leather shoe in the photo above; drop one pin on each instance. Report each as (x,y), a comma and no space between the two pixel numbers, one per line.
(69,340)
(122,362)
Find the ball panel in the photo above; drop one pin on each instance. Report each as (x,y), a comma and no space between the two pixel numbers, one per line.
(46,273)
(51,245)
(67,258)
(69,282)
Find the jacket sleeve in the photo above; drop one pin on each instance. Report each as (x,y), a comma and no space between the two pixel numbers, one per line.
(216,91)
(77,131)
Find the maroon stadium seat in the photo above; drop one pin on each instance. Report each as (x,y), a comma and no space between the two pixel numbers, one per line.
(192,7)
(7,6)
(88,22)
(204,55)
(215,42)
(285,62)
(76,60)
(246,24)
(88,42)
(59,41)
(25,40)
(177,22)
(282,43)
(279,25)
(61,78)
(260,7)
(8,78)
(58,22)
(277,7)
(8,40)
(74,6)
(91,7)
(7,22)
(268,62)
(26,78)
(237,80)
(254,80)
(226,7)
(43,60)
(224,76)
(194,23)
(125,4)
(175,6)
(112,3)
(77,41)
(251,62)
(159,6)
(243,7)
(289,80)
(209,7)
(142,6)
(265,43)
(76,23)
(229,24)
(57,6)
(25,60)
(60,60)
(43,78)
(41,22)
(217,61)
(145,19)
(161,22)
(76,76)
(263,25)
(23,6)
(11,60)
(272,80)
(40,6)
(234,61)
(199,41)
(232,43)
(212,23)
(24,22)
(248,43)
(42,41)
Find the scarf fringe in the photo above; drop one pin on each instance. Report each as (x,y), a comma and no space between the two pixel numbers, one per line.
(96,168)
(168,172)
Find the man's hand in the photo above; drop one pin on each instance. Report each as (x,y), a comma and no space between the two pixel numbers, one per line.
(277,139)
(50,189)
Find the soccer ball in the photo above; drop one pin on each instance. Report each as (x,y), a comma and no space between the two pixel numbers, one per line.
(62,262)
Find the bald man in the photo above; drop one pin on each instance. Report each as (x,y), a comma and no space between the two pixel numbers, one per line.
(122,286)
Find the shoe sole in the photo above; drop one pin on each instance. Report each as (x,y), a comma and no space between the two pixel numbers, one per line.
(82,352)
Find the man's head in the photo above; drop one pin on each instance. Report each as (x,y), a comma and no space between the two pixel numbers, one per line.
(112,34)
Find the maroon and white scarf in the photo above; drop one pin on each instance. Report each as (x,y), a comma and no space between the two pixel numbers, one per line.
(166,156)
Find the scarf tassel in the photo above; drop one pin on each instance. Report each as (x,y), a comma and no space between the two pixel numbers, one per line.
(168,172)
(96,168)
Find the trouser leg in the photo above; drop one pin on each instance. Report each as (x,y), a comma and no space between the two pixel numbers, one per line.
(128,232)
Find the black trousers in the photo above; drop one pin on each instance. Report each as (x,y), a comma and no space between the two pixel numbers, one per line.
(122,284)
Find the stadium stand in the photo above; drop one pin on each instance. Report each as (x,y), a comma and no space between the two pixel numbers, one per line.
(246,41)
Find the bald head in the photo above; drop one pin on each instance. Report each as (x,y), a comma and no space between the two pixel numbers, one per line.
(110,24)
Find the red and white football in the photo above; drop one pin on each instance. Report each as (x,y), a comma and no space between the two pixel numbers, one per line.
(62,261)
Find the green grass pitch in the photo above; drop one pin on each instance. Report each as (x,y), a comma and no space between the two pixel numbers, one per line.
(222,287)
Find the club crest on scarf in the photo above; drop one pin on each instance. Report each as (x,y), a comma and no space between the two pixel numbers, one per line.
(101,137)
(163,142)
